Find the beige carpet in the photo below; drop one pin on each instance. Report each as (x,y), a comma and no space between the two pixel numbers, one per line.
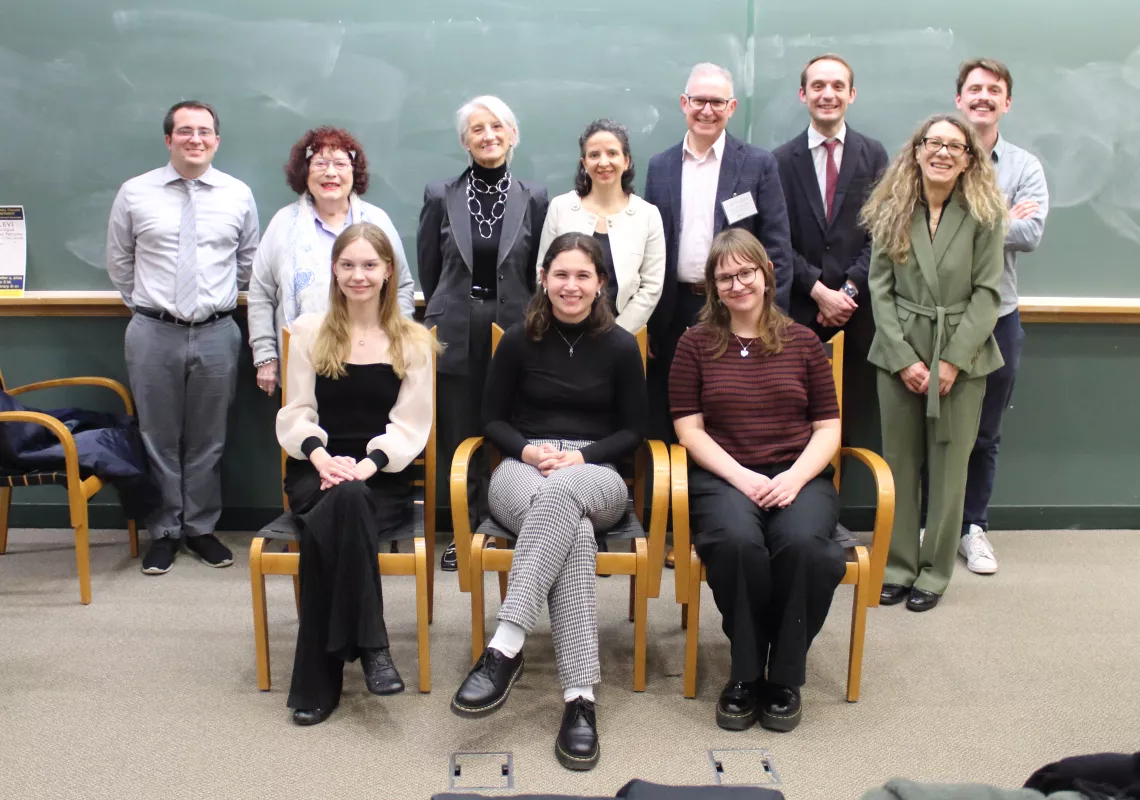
(150,692)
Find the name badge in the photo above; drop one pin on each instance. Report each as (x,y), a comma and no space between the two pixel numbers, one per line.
(739,207)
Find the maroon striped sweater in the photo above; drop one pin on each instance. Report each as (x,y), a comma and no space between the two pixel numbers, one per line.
(759,408)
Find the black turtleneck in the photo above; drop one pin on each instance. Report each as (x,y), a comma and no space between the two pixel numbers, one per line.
(537,390)
(486,251)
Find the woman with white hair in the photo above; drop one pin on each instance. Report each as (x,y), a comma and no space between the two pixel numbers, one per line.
(477,245)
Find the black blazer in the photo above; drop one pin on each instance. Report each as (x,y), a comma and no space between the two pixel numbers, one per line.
(444,249)
(743,168)
(829,252)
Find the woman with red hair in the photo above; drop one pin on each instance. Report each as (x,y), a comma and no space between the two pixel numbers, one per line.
(328,170)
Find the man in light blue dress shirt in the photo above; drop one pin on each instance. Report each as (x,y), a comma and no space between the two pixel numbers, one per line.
(180,241)
(985,92)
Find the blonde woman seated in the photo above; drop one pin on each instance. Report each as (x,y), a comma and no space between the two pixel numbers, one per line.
(360,392)
(565,401)
(628,229)
(754,403)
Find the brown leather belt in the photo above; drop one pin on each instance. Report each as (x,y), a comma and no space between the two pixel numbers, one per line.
(695,288)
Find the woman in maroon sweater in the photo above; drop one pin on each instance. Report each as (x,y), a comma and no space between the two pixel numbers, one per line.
(753,402)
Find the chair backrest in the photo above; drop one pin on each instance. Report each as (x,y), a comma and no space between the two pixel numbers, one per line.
(426,461)
(2,389)
(834,348)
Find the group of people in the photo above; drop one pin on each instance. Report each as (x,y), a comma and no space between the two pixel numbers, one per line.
(738,260)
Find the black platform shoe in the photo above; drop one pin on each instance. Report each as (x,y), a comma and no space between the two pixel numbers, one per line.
(893,593)
(782,709)
(736,708)
(312,716)
(577,744)
(920,600)
(488,684)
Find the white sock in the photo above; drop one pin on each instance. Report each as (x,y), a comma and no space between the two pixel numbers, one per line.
(508,639)
(585,692)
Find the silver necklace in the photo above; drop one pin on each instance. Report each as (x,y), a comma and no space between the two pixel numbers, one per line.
(568,344)
(498,208)
(744,347)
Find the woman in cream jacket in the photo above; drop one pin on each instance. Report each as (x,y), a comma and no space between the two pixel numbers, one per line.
(628,228)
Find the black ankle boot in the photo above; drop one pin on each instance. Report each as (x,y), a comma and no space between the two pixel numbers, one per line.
(488,684)
(312,716)
(380,674)
(736,708)
(782,709)
(577,744)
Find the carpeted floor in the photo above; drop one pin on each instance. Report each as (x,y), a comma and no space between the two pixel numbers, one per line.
(151,690)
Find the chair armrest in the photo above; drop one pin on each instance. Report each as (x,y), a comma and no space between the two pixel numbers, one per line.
(884,513)
(75,498)
(679,480)
(105,383)
(460,513)
(658,455)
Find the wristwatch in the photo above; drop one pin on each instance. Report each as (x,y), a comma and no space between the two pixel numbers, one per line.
(849,290)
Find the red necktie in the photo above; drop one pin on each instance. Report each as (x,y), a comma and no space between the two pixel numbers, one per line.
(832,178)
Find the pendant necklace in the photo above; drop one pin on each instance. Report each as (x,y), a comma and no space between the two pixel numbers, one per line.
(568,344)
(744,347)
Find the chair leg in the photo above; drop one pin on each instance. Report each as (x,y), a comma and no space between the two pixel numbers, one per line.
(693,627)
(429,549)
(5,504)
(475,584)
(294,546)
(858,626)
(260,620)
(640,585)
(133,535)
(83,561)
(632,598)
(684,615)
(423,613)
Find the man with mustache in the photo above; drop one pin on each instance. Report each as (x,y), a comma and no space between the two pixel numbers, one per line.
(985,92)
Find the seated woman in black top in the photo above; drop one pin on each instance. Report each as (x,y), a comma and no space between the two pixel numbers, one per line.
(360,392)
(565,400)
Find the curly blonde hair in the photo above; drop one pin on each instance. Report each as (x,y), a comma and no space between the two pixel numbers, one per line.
(890,208)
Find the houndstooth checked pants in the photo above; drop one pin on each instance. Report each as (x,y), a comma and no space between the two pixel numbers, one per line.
(554,559)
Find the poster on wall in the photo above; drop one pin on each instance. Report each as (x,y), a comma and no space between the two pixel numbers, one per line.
(13,251)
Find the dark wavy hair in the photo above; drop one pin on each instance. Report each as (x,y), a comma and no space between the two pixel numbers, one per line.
(312,143)
(582,182)
(540,312)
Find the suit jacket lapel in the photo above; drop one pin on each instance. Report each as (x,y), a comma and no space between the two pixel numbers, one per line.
(924,251)
(517,198)
(459,218)
(731,161)
(804,166)
(953,215)
(852,154)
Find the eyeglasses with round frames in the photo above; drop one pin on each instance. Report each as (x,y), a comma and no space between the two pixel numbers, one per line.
(321,164)
(746,276)
(933,145)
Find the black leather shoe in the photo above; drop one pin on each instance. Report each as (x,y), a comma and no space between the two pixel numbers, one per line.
(577,744)
(380,673)
(893,593)
(920,600)
(782,709)
(488,684)
(311,716)
(449,562)
(736,708)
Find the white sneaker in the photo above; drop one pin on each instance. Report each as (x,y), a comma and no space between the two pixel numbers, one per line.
(975,547)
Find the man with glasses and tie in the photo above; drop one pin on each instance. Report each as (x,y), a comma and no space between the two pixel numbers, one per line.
(180,240)
(706,183)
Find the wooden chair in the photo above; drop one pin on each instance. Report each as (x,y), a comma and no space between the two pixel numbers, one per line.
(80,489)
(864,570)
(642,563)
(419,562)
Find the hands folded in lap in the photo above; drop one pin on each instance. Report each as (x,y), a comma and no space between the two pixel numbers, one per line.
(338,469)
(546,459)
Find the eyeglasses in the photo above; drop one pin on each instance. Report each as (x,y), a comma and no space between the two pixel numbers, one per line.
(190,133)
(321,164)
(717,103)
(746,276)
(956,149)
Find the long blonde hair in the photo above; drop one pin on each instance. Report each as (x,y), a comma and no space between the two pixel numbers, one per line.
(889,210)
(405,337)
(773,325)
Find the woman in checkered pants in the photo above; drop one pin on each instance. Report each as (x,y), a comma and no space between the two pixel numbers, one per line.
(565,401)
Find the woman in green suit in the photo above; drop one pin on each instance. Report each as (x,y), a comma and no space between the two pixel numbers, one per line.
(937,221)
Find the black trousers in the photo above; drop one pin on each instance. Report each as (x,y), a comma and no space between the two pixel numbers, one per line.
(342,607)
(772,572)
(459,410)
(685,311)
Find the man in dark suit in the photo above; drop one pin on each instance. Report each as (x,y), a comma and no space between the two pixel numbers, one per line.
(708,182)
(827,172)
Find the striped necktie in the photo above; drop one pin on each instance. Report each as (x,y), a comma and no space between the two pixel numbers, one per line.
(186,276)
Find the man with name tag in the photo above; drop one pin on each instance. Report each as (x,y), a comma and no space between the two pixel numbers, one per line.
(706,183)
(180,240)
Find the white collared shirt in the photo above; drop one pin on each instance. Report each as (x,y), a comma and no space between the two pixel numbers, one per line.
(142,239)
(819,156)
(700,176)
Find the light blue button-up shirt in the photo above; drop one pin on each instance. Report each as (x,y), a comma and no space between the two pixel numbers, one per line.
(1020,177)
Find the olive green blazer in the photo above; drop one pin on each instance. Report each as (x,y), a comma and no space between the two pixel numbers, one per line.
(945,296)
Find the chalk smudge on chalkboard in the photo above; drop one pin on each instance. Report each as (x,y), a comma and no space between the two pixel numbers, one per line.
(87,224)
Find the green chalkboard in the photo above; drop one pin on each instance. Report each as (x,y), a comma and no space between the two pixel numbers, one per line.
(84,85)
